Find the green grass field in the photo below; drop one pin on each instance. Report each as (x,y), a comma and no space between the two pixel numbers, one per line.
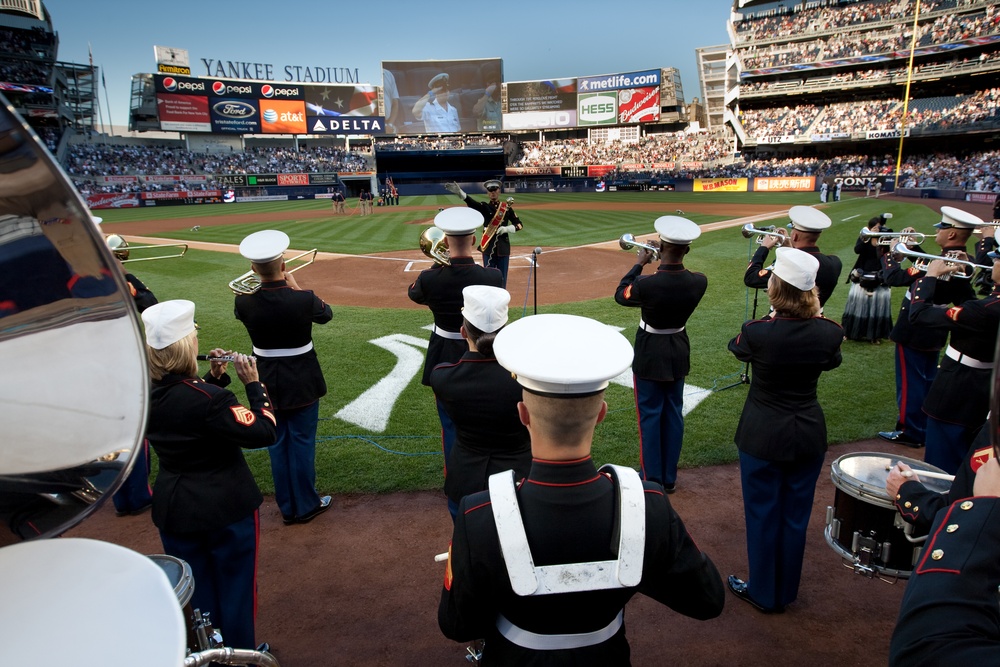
(858,397)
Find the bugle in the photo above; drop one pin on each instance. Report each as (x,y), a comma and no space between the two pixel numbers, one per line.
(123,250)
(922,260)
(249,282)
(433,245)
(628,243)
(748,230)
(892,238)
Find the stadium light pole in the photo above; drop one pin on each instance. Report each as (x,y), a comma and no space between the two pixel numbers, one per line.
(906,95)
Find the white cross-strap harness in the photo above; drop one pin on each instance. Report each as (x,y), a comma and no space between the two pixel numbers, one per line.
(528,579)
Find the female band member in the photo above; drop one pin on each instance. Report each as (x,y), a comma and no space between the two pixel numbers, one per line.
(868,311)
(782,433)
(205,499)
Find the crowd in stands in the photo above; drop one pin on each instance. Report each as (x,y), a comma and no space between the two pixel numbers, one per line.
(440,143)
(784,121)
(817,19)
(25,72)
(25,42)
(666,147)
(868,42)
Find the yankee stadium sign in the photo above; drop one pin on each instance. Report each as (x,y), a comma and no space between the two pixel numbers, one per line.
(237,69)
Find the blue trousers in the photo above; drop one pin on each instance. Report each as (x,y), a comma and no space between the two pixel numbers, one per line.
(947,445)
(224,565)
(502,263)
(293,461)
(448,437)
(777,502)
(915,372)
(134,493)
(661,428)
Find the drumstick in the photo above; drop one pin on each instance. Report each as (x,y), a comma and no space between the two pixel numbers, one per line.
(440,558)
(928,473)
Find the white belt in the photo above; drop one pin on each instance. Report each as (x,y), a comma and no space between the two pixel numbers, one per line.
(283,351)
(648,329)
(444,333)
(966,360)
(537,642)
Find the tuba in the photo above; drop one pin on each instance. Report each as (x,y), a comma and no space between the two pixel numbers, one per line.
(433,244)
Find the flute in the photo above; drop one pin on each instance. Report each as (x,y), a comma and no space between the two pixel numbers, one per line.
(205,357)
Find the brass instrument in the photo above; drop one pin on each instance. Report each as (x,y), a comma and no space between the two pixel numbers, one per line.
(432,244)
(249,282)
(749,230)
(892,238)
(628,243)
(123,250)
(922,260)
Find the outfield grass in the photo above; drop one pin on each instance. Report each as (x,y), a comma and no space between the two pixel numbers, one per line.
(858,397)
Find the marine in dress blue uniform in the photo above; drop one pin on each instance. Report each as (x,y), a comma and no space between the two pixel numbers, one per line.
(959,398)
(481,398)
(440,289)
(279,318)
(662,350)
(497,252)
(918,347)
(543,569)
(781,434)
(807,224)
(205,500)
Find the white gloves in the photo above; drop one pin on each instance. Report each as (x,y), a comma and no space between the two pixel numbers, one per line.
(503,230)
(454,189)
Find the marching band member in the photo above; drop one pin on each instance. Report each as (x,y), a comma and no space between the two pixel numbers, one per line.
(440,289)
(959,396)
(205,501)
(662,351)
(868,311)
(807,224)
(543,570)
(917,347)
(481,398)
(782,432)
(499,222)
(279,318)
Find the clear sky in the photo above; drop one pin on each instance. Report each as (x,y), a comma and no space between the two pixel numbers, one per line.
(536,40)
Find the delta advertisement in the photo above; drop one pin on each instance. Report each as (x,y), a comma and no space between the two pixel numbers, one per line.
(720,184)
(224,106)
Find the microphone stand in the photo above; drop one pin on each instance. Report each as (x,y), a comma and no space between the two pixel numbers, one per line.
(534,270)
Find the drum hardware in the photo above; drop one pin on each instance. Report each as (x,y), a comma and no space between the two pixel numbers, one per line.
(249,282)
(474,652)
(433,244)
(922,260)
(748,230)
(123,250)
(892,238)
(628,243)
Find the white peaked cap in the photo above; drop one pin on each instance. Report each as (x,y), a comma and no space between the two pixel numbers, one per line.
(562,354)
(458,220)
(956,217)
(264,246)
(485,307)
(677,230)
(796,267)
(809,219)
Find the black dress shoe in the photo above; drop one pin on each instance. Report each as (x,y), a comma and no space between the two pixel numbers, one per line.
(740,589)
(900,438)
(670,488)
(136,512)
(324,505)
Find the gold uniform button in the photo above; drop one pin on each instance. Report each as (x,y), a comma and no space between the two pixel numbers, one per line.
(907,504)
(937,554)
(916,509)
(898,496)
(967,505)
(952,527)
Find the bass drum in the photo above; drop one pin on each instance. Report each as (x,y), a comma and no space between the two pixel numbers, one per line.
(863,525)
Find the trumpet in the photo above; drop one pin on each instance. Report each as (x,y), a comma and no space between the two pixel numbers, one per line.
(249,282)
(922,260)
(749,230)
(628,243)
(122,249)
(892,238)
(432,244)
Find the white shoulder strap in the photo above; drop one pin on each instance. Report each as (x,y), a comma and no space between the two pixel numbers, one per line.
(527,579)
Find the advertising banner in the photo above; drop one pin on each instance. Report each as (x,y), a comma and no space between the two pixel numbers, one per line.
(113,200)
(183,113)
(720,184)
(323,179)
(234,116)
(346,125)
(886,134)
(537,120)
(638,105)
(597,109)
(462,95)
(618,81)
(646,166)
(283,117)
(293,179)
(981,197)
(785,184)
(361,100)
(533,171)
(598,170)
(547,95)
(117,179)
